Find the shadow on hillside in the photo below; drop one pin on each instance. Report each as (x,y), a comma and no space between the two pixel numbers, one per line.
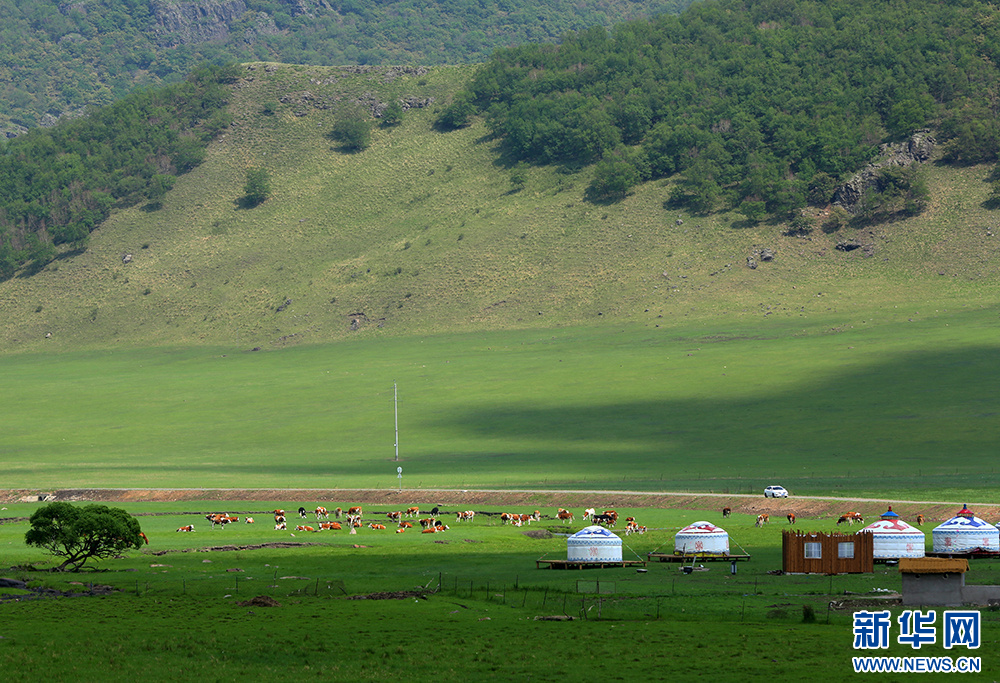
(920,410)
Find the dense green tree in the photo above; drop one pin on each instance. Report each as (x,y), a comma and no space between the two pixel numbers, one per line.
(257,188)
(80,534)
(393,114)
(353,131)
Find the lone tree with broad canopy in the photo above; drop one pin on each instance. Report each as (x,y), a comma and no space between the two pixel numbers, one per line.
(81,533)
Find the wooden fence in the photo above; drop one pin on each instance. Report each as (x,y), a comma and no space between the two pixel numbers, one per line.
(804,552)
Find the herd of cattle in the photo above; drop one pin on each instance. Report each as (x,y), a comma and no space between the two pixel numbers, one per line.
(849,518)
(353,519)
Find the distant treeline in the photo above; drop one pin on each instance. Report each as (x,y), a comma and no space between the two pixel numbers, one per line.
(59,57)
(758,105)
(58,184)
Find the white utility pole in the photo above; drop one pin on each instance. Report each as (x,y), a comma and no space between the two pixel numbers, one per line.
(395,409)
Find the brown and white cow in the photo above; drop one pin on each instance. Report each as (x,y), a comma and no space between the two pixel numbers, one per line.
(248,520)
(762,519)
(321,512)
(394,516)
(304,528)
(726,511)
(280,526)
(333,526)
(189,527)
(356,510)
(790,517)
(565,515)
(413,511)
(851,518)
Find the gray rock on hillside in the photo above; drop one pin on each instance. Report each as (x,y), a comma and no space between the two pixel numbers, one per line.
(917,149)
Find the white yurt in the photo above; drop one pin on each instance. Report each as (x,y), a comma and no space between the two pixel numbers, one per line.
(594,544)
(965,533)
(893,538)
(701,538)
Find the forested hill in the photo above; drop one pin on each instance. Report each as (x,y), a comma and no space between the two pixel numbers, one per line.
(59,57)
(761,106)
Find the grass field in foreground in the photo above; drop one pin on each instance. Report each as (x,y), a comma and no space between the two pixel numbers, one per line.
(177,617)
(888,408)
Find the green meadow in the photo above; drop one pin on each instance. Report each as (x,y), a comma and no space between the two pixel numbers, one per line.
(889,408)
(471,614)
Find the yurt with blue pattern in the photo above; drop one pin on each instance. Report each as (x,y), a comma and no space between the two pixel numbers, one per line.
(892,538)
(965,533)
(594,544)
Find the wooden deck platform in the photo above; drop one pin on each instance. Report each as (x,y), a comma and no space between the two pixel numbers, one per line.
(577,564)
(699,557)
(974,554)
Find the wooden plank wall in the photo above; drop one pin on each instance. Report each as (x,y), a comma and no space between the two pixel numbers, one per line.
(794,560)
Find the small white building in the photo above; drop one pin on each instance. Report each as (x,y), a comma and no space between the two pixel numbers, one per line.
(701,538)
(594,544)
(893,538)
(965,533)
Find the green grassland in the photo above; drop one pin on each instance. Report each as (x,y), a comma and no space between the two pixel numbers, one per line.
(881,409)
(175,613)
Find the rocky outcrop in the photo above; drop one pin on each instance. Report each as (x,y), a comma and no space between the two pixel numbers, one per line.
(917,149)
(195,22)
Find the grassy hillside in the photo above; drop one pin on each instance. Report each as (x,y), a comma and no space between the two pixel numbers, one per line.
(422,233)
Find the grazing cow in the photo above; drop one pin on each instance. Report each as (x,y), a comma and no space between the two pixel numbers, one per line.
(790,517)
(566,516)
(337,513)
(354,521)
(413,511)
(920,520)
(536,516)
(279,513)
(304,528)
(189,527)
(726,511)
(333,526)
(506,518)
(278,519)
(613,514)
(602,520)
(428,522)
(248,520)
(465,516)
(633,528)
(321,512)
(143,537)
(762,519)
(394,516)
(302,512)
(851,518)
(434,511)
(589,513)
(280,526)
(221,519)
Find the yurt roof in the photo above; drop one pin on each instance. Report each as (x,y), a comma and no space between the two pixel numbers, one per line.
(963,520)
(593,532)
(892,526)
(702,528)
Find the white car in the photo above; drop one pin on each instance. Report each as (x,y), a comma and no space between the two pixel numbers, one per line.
(775,492)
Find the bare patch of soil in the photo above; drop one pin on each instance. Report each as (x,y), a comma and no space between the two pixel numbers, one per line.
(260,601)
